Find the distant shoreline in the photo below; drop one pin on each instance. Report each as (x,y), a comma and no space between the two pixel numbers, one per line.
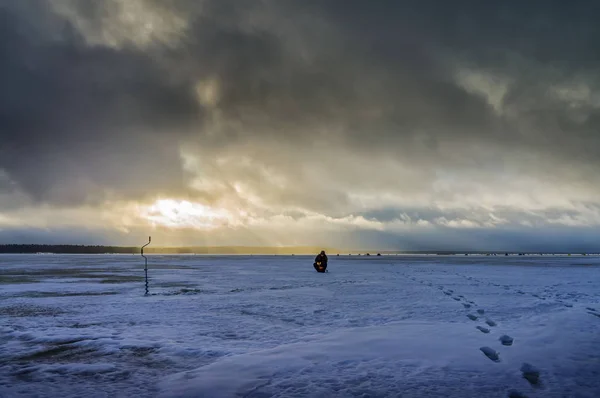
(102,249)
(246,250)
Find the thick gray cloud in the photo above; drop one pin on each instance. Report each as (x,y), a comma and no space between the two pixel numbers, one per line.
(443,113)
(77,122)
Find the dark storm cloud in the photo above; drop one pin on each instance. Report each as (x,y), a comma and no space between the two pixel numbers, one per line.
(297,82)
(291,82)
(76,120)
(383,75)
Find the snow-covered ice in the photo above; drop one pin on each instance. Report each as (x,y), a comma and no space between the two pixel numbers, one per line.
(262,326)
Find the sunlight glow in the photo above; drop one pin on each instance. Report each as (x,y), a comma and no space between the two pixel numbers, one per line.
(184,214)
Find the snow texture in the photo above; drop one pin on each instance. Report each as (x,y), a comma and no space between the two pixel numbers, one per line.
(270,326)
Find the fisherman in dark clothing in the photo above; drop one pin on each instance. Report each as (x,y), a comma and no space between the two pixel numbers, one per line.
(321,262)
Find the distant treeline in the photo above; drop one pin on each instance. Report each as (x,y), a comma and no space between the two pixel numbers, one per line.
(98,249)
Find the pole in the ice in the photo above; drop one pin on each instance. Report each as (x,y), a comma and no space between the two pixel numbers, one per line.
(146,262)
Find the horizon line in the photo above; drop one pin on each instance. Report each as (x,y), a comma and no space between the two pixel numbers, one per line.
(300,249)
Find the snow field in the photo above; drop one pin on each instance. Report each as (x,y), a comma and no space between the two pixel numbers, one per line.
(254,326)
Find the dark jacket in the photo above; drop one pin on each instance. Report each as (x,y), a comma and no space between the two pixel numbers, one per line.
(322,258)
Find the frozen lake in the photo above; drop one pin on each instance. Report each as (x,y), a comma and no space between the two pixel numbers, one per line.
(250,326)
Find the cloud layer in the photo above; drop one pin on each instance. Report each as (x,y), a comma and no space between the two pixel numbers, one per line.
(416,123)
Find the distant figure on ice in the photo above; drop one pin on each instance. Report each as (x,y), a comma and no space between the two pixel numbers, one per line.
(321,262)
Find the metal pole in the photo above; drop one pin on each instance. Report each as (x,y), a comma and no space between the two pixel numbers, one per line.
(146,262)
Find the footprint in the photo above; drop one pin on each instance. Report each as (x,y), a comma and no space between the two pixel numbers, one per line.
(491,353)
(506,340)
(472,317)
(568,305)
(467,305)
(483,330)
(451,291)
(481,311)
(516,394)
(531,374)
(594,313)
(490,322)
(447,293)
(590,309)
(456,298)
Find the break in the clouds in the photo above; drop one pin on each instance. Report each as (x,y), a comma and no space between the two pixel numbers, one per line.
(349,123)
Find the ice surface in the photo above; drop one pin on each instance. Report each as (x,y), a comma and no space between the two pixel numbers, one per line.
(226,326)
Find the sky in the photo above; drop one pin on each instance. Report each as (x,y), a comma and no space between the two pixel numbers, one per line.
(429,125)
